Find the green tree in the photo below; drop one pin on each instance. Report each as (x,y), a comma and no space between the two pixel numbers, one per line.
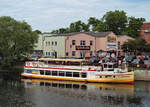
(17,40)
(115,21)
(38,31)
(134,25)
(61,30)
(96,24)
(137,45)
(78,26)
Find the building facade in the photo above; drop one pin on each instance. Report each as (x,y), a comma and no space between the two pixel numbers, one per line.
(121,40)
(80,44)
(54,46)
(88,44)
(145,32)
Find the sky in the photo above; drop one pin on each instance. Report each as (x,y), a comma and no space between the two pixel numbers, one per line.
(48,15)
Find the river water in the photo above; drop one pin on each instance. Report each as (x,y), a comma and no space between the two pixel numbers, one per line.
(48,93)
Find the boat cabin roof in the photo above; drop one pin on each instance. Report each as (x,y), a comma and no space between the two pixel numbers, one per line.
(55,59)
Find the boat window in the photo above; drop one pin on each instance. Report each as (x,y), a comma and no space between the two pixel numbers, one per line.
(110,69)
(110,66)
(41,72)
(115,66)
(54,73)
(68,74)
(29,71)
(83,75)
(48,73)
(105,65)
(61,73)
(76,74)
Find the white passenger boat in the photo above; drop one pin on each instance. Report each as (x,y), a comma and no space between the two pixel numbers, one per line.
(76,70)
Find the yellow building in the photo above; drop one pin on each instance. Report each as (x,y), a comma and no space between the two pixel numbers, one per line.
(54,46)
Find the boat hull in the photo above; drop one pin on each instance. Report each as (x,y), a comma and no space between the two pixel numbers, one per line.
(96,77)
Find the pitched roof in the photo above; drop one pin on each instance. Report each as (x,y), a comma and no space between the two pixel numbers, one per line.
(95,34)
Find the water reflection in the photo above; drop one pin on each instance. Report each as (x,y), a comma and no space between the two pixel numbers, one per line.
(46,93)
(104,94)
(12,94)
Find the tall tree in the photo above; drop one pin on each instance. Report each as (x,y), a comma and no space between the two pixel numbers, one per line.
(134,26)
(137,45)
(16,39)
(115,21)
(79,26)
(38,31)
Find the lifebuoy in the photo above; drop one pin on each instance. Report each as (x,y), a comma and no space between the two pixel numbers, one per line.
(34,64)
(28,63)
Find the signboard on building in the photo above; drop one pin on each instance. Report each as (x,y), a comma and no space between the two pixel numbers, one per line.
(82,47)
(111,45)
(111,42)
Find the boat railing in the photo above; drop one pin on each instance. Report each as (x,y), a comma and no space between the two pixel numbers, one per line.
(42,64)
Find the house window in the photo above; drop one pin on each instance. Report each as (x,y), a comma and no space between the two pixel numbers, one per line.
(82,54)
(73,42)
(73,53)
(55,43)
(91,53)
(82,42)
(91,42)
(67,54)
(53,54)
(48,53)
(118,53)
(48,43)
(52,43)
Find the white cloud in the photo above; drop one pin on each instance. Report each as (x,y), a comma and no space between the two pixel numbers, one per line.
(47,15)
